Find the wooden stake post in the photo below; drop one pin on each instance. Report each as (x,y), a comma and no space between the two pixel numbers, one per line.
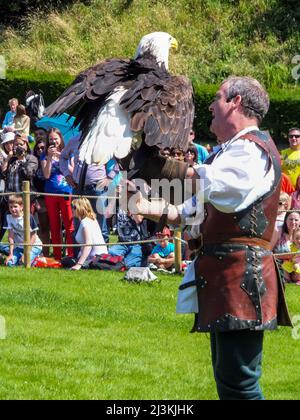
(26,205)
(178,253)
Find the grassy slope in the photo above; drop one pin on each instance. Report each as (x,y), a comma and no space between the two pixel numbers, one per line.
(88,335)
(216,37)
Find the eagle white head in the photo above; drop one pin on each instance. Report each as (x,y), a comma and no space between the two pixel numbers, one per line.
(158,44)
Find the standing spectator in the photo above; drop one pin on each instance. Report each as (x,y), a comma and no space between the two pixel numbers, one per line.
(8,123)
(21,121)
(89,232)
(202,151)
(22,166)
(39,185)
(191,156)
(16,237)
(286,184)
(40,134)
(6,153)
(177,154)
(166,152)
(59,208)
(6,150)
(291,156)
(98,178)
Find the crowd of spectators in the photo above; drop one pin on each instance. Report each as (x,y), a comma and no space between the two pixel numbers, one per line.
(53,167)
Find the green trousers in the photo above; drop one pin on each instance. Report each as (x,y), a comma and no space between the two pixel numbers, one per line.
(237,359)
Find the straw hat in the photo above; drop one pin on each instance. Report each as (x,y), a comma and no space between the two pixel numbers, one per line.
(7,137)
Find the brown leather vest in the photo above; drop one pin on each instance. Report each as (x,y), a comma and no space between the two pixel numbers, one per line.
(238,284)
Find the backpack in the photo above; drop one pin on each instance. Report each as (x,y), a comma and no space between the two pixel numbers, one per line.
(35,106)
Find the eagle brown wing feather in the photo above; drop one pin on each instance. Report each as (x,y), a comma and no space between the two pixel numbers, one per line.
(163,109)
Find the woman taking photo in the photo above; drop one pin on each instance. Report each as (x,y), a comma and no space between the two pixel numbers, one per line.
(39,184)
(59,208)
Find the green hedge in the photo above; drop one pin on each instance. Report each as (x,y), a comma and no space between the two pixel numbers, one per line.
(284,110)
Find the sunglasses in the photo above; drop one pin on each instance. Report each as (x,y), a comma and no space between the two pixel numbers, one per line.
(297,136)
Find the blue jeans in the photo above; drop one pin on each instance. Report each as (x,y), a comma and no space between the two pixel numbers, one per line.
(92,191)
(19,252)
(132,254)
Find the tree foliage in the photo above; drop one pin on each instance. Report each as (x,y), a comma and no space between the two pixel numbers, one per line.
(14,11)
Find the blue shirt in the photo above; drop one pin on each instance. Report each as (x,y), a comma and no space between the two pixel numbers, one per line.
(164,252)
(9,119)
(202,153)
(57,183)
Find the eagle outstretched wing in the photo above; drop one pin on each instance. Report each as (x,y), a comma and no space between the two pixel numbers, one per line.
(119,99)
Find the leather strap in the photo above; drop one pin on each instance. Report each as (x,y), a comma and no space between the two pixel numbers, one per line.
(200,242)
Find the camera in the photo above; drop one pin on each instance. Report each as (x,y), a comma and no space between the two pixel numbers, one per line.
(20,151)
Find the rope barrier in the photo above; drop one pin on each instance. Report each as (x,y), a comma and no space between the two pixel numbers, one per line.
(146,241)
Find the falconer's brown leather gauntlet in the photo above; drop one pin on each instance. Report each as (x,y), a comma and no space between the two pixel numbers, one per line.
(160,167)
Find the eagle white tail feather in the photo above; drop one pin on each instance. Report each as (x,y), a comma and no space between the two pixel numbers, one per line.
(110,134)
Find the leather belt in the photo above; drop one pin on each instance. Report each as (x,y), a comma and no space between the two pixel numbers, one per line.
(200,242)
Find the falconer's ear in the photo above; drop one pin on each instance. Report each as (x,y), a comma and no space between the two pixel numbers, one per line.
(237,100)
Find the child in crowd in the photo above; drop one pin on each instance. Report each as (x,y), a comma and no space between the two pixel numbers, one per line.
(284,205)
(292,267)
(89,232)
(15,226)
(163,254)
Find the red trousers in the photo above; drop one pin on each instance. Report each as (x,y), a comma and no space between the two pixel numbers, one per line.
(59,208)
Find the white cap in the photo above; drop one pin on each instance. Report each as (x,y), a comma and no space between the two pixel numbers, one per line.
(7,137)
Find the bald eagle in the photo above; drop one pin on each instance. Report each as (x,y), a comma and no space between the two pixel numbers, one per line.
(130,107)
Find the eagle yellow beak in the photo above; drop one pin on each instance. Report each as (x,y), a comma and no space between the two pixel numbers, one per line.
(174,44)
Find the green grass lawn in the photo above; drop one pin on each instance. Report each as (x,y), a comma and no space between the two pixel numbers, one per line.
(89,335)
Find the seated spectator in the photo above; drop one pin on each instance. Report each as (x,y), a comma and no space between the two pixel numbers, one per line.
(21,121)
(283,206)
(283,238)
(286,184)
(296,196)
(8,123)
(131,228)
(15,226)
(291,156)
(59,208)
(163,254)
(89,232)
(291,267)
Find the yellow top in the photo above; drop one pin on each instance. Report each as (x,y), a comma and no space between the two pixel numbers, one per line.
(291,164)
